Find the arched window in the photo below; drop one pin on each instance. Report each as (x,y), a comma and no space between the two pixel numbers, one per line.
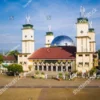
(40,67)
(44,68)
(54,68)
(49,68)
(59,68)
(35,67)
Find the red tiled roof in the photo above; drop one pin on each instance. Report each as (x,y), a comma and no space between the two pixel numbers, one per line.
(67,52)
(9,58)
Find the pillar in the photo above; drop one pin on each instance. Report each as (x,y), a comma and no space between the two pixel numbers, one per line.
(46,68)
(61,68)
(38,68)
(56,68)
(42,68)
(66,68)
(52,68)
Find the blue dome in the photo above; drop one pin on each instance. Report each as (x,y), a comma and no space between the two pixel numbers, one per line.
(62,40)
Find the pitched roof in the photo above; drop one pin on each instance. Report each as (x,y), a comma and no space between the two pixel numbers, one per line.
(9,58)
(67,52)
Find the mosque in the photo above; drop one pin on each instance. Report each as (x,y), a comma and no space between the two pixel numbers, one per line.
(60,53)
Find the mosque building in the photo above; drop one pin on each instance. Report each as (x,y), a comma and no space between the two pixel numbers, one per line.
(60,53)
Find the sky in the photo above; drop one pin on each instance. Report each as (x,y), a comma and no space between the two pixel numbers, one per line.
(63,16)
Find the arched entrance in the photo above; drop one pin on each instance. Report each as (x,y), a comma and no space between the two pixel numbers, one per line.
(44,68)
(64,68)
(49,68)
(35,67)
(54,68)
(59,68)
(40,67)
(69,68)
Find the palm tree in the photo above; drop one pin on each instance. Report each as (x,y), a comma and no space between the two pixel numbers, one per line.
(14,53)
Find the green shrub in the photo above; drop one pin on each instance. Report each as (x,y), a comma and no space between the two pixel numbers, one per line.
(79,74)
(15,68)
(42,73)
(37,73)
(60,75)
(75,71)
(67,75)
(93,70)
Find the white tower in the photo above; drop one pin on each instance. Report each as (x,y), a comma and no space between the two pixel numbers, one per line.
(82,33)
(86,56)
(91,34)
(27,44)
(49,37)
(84,60)
(28,37)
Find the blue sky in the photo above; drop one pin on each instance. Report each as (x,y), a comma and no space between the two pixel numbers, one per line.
(64,14)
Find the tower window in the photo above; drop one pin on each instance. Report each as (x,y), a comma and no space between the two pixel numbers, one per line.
(80,64)
(87,55)
(80,55)
(81,32)
(48,41)
(25,36)
(31,36)
(25,63)
(20,62)
(25,55)
(86,64)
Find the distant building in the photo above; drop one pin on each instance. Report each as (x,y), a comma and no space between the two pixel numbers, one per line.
(9,60)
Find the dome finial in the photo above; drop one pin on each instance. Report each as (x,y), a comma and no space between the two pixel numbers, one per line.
(28,19)
(82,11)
(49,28)
(90,24)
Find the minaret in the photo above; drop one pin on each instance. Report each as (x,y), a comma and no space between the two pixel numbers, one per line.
(27,44)
(91,34)
(49,37)
(82,32)
(83,61)
(27,37)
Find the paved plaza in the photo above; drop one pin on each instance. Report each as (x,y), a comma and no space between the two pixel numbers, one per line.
(50,94)
(48,89)
(39,83)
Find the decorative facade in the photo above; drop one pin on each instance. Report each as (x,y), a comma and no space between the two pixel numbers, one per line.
(60,54)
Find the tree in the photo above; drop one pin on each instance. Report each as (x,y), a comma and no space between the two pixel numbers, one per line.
(15,69)
(99,53)
(1,59)
(93,70)
(14,53)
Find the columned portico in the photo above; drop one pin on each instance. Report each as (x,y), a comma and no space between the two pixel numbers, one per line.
(54,67)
